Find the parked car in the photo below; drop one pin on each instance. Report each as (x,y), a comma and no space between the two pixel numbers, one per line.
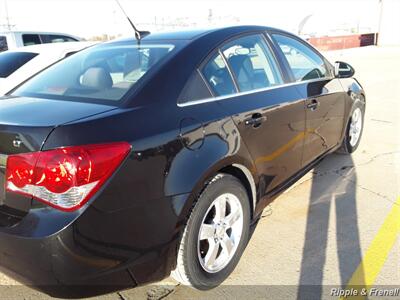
(18,65)
(128,161)
(14,39)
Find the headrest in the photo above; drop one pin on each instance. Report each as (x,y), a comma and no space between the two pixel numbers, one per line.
(97,78)
(239,62)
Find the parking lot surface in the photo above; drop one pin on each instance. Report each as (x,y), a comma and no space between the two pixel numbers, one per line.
(336,227)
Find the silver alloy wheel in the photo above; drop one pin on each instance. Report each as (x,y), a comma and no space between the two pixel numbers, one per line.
(220,233)
(355,126)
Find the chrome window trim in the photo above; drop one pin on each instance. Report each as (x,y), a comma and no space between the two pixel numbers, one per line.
(205,82)
(269,44)
(233,76)
(219,98)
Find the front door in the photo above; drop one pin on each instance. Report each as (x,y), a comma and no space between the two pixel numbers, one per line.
(325,102)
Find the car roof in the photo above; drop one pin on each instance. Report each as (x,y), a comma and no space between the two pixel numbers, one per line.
(197,33)
(185,34)
(54,47)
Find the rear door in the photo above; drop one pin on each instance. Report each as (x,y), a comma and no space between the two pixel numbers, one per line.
(269,114)
(325,101)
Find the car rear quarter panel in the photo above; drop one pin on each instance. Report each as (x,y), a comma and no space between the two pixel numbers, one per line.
(140,213)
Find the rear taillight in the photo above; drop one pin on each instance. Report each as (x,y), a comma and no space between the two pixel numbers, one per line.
(64,178)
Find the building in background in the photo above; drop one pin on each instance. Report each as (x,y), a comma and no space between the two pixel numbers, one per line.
(389,24)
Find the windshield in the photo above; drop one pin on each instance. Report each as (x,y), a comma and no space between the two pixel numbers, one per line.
(104,72)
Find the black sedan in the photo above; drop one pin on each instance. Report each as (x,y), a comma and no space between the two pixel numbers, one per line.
(134,159)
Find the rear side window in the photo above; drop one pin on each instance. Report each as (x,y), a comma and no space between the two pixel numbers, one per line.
(54,38)
(12,61)
(217,75)
(252,63)
(304,62)
(195,89)
(31,39)
(3,43)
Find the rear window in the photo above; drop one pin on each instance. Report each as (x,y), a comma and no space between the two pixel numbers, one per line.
(104,72)
(3,43)
(12,61)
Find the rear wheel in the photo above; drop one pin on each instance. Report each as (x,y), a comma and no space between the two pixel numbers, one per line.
(354,129)
(215,235)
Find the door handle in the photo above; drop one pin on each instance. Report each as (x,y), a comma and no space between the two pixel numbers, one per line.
(255,120)
(313,105)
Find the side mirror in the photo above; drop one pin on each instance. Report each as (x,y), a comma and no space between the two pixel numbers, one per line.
(343,70)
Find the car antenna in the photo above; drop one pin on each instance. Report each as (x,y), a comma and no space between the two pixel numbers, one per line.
(138,34)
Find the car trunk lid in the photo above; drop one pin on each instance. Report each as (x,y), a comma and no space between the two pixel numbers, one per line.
(25,124)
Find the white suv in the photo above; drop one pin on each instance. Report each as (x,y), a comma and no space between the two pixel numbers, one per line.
(15,39)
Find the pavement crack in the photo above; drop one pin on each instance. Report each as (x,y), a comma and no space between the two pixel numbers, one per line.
(173,290)
(266,212)
(160,292)
(345,177)
(316,174)
(377,156)
(382,121)
(369,190)
(122,297)
(346,167)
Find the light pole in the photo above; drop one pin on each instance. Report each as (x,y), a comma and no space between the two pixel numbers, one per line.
(379,22)
(7,17)
(302,23)
(8,26)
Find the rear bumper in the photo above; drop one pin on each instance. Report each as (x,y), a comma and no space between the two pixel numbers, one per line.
(55,263)
(32,262)
(89,252)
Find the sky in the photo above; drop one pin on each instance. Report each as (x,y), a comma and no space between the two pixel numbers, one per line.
(86,18)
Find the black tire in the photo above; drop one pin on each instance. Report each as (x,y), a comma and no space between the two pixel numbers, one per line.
(346,147)
(189,271)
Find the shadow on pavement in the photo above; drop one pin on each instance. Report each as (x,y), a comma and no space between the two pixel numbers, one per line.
(330,191)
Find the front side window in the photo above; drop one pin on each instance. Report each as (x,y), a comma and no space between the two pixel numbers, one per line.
(104,72)
(31,39)
(217,75)
(252,63)
(12,61)
(304,62)
(3,43)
